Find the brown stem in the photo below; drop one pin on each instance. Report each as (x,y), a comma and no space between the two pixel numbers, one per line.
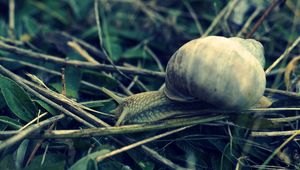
(262,18)
(28,131)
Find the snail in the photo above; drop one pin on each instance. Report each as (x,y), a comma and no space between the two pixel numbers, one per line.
(225,73)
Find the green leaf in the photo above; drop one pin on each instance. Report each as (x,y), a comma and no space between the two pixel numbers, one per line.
(253,122)
(85,162)
(75,7)
(10,122)
(47,107)
(30,25)
(80,8)
(111,43)
(3,27)
(17,99)
(53,9)
(22,153)
(57,86)
(51,161)
(136,52)
(2,101)
(72,77)
(90,32)
(7,162)
(100,79)
(133,34)
(112,165)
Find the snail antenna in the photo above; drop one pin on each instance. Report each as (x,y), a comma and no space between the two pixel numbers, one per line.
(122,117)
(111,94)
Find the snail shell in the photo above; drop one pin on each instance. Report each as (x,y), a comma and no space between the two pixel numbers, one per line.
(225,72)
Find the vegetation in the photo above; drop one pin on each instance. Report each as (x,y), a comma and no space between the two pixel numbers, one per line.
(58,58)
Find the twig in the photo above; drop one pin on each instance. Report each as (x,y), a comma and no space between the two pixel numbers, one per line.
(32,121)
(123,87)
(216,20)
(226,16)
(11,19)
(82,52)
(276,72)
(135,78)
(262,18)
(275,133)
(89,58)
(76,63)
(284,119)
(44,154)
(282,56)
(37,146)
(56,106)
(150,13)
(163,160)
(136,144)
(25,63)
(118,130)
(99,30)
(248,22)
(101,40)
(138,82)
(277,150)
(63,82)
(38,95)
(29,130)
(194,16)
(11,41)
(51,103)
(147,49)
(72,105)
(84,44)
(264,110)
(284,93)
(50,71)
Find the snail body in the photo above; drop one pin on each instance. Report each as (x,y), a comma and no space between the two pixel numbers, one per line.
(214,71)
(153,106)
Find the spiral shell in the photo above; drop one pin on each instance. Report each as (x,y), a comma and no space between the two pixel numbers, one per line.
(225,72)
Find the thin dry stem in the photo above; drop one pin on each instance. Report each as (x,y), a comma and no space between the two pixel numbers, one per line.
(11,31)
(139,143)
(282,56)
(76,63)
(248,22)
(217,20)
(82,52)
(33,120)
(277,150)
(274,133)
(20,136)
(54,73)
(194,16)
(101,40)
(38,95)
(262,18)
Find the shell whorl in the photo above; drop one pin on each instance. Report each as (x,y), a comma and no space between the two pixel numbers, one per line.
(225,72)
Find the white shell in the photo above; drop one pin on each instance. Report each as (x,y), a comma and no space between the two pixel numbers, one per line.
(224,72)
